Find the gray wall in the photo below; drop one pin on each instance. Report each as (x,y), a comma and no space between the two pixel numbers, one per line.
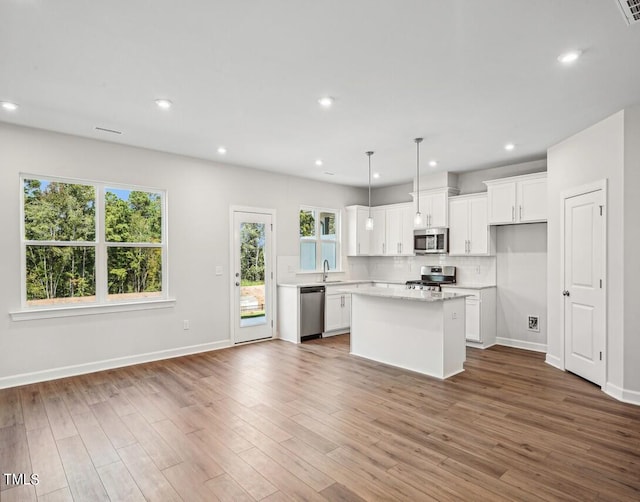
(200,194)
(521,259)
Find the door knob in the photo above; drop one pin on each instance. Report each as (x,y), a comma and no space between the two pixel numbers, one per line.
(566,293)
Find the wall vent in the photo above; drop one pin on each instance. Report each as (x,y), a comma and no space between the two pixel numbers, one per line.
(630,10)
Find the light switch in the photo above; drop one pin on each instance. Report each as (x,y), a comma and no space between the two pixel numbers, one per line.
(218,270)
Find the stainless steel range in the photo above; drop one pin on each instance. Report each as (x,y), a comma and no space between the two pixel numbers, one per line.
(431,277)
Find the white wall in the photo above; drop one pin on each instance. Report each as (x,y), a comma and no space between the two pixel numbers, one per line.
(522,284)
(199,194)
(632,249)
(591,155)
(472,181)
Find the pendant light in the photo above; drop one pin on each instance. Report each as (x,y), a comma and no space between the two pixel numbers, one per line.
(417,220)
(369,224)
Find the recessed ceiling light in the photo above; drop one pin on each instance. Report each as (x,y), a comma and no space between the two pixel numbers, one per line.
(569,57)
(318,162)
(326,101)
(165,104)
(376,175)
(222,150)
(7,105)
(433,163)
(509,146)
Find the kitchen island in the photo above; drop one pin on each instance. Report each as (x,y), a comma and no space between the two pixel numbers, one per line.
(421,331)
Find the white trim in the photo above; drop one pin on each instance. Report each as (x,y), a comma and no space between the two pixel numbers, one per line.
(624,395)
(564,195)
(93,309)
(554,361)
(99,244)
(273,309)
(521,344)
(107,364)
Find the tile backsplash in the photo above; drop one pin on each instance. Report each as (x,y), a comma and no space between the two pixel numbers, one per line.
(470,269)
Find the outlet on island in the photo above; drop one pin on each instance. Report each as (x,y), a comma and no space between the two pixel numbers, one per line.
(185,324)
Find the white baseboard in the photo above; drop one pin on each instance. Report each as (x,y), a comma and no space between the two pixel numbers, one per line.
(521,344)
(554,361)
(624,395)
(107,364)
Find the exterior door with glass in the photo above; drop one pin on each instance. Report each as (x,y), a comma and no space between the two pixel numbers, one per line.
(252,308)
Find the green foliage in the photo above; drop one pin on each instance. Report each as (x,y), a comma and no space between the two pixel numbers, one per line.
(252,239)
(307,223)
(65,212)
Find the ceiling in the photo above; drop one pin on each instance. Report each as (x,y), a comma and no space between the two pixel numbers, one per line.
(467,76)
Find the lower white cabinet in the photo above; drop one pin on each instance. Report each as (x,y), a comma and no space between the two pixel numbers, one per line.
(480,315)
(337,313)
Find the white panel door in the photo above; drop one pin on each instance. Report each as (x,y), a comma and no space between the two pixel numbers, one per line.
(252,307)
(584,302)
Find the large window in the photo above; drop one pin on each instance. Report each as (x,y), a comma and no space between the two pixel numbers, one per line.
(319,238)
(91,243)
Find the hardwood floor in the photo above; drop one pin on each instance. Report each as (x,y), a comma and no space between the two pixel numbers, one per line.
(274,421)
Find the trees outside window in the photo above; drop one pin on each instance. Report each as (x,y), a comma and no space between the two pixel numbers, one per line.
(68,260)
(319,238)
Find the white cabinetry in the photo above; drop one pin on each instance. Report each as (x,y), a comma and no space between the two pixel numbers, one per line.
(469,231)
(480,315)
(358,237)
(378,234)
(399,230)
(392,233)
(337,313)
(434,206)
(518,199)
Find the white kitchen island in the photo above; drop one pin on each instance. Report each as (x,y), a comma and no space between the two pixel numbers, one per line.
(420,331)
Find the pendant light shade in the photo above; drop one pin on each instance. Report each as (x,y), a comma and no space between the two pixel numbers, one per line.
(369,224)
(417,220)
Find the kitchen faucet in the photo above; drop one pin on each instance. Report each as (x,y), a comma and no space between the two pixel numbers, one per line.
(325,270)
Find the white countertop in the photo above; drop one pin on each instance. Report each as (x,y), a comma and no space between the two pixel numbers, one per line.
(404,294)
(364,281)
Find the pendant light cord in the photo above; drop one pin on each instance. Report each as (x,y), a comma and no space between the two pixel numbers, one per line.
(369,154)
(418,141)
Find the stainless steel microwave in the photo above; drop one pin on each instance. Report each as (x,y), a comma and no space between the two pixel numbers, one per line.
(431,240)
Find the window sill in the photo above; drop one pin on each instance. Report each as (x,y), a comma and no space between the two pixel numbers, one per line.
(80,310)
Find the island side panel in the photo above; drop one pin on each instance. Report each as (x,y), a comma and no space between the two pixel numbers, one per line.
(288,314)
(455,347)
(403,333)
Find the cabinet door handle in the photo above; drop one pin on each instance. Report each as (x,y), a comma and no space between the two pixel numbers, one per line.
(513,213)
(520,213)
(399,247)
(358,248)
(383,248)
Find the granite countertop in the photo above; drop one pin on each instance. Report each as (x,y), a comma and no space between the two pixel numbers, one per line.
(469,286)
(320,283)
(404,294)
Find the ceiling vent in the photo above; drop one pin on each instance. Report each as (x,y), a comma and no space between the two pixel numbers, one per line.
(631,10)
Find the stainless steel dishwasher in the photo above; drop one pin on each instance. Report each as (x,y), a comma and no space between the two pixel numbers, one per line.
(311,312)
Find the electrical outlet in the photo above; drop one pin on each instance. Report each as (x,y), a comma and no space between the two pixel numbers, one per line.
(454,315)
(534,323)
(218,270)
(185,324)
(478,270)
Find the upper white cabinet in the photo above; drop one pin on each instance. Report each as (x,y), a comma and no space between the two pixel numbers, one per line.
(469,231)
(434,206)
(518,199)
(392,233)
(378,234)
(399,230)
(358,237)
